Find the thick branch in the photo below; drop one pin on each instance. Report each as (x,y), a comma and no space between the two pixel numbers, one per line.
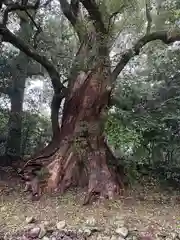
(69,12)
(55,105)
(95,14)
(15,7)
(65,6)
(8,36)
(75,7)
(164,36)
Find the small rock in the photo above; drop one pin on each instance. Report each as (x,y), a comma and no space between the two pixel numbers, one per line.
(87,232)
(80,231)
(49,226)
(114,237)
(60,225)
(3,208)
(34,232)
(162,235)
(53,238)
(91,221)
(95,229)
(45,238)
(30,219)
(119,223)
(174,235)
(42,232)
(22,238)
(46,223)
(132,238)
(108,231)
(123,232)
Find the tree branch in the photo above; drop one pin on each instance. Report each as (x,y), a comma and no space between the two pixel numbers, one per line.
(65,6)
(95,14)
(8,36)
(164,36)
(70,11)
(75,7)
(113,15)
(55,106)
(15,7)
(148,16)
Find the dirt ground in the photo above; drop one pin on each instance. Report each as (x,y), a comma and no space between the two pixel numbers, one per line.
(146,209)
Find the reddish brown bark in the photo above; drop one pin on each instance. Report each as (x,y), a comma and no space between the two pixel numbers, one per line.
(82,155)
(81,158)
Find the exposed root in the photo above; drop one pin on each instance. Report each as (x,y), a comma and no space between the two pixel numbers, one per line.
(49,150)
(102,185)
(61,171)
(66,170)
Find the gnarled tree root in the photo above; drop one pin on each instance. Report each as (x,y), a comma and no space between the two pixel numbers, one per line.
(66,169)
(95,174)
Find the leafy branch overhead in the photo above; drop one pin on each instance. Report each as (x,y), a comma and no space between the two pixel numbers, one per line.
(95,15)
(165,36)
(15,6)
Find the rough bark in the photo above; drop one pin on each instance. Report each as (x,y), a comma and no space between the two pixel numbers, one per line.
(81,158)
(82,147)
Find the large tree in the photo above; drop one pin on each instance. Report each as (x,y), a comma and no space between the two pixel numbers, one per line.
(81,155)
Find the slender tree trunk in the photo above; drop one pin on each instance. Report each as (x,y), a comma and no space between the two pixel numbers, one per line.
(19,75)
(13,148)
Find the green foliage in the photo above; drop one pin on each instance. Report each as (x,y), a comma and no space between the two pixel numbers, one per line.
(146,117)
(120,136)
(35,131)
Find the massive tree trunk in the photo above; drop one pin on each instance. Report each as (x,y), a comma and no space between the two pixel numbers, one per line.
(82,154)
